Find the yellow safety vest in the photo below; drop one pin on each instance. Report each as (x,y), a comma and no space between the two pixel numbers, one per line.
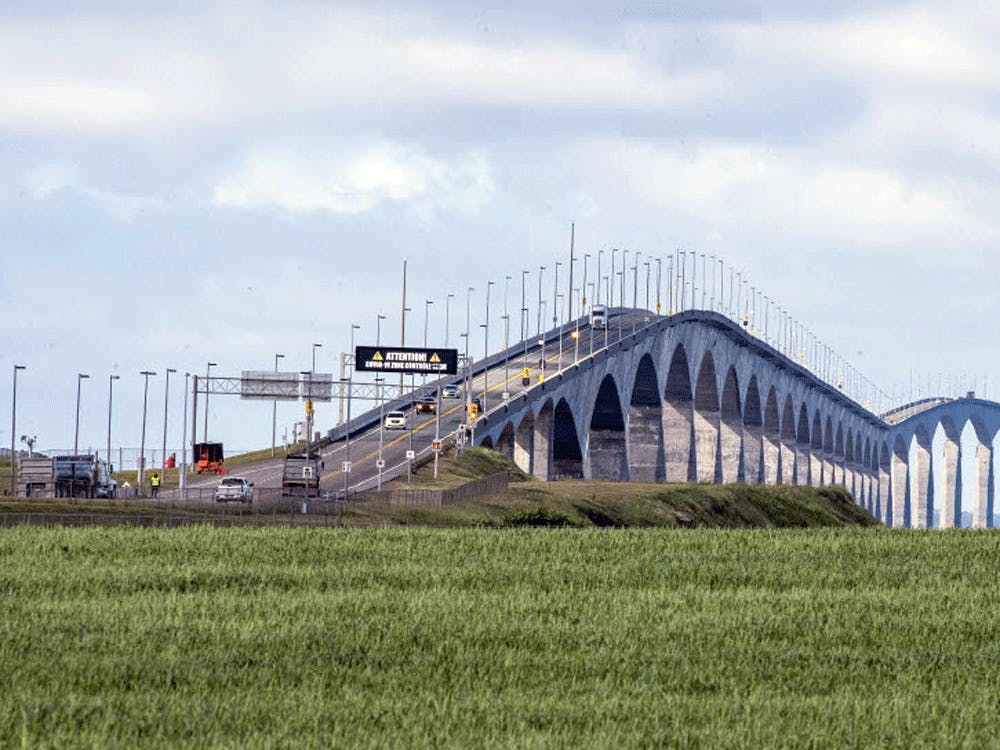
(154,481)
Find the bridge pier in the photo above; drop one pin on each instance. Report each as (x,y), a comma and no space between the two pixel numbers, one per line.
(982,510)
(951,501)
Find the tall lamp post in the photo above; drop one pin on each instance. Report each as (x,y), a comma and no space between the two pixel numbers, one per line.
(142,441)
(111,383)
(166,398)
(274,407)
(13,429)
(80,377)
(447,314)
(538,325)
(468,369)
(486,346)
(208,388)
(184,434)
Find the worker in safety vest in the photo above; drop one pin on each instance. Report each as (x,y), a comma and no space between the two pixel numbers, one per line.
(154,484)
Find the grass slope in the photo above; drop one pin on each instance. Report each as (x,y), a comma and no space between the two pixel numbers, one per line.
(473,638)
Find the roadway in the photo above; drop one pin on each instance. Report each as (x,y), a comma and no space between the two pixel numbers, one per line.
(368,440)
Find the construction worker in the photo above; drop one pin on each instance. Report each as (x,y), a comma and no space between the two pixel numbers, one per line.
(154,484)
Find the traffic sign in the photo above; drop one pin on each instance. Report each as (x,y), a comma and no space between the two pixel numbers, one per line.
(346,467)
(436,445)
(410,455)
(406,359)
(380,463)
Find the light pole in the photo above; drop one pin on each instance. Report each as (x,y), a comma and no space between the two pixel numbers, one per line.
(310,406)
(557,304)
(538,325)
(555,296)
(381,423)
(166,397)
(593,287)
(611,288)
(621,299)
(468,370)
(13,429)
(378,329)
(583,297)
(427,311)
(208,388)
(184,434)
(506,359)
(274,406)
(524,322)
(447,316)
(111,382)
(486,346)
(141,473)
(659,272)
(76,430)
(647,265)
(598,295)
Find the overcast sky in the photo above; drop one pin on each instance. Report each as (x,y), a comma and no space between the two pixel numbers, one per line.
(227,180)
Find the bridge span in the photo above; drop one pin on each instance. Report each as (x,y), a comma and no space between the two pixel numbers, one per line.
(696,397)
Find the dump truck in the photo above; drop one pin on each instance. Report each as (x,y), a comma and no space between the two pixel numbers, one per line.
(301,473)
(82,475)
(208,458)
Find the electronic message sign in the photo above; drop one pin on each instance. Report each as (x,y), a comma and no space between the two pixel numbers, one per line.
(405,360)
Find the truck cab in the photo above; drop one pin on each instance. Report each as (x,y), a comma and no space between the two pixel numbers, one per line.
(599,317)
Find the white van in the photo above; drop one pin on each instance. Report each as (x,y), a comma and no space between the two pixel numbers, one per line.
(598,316)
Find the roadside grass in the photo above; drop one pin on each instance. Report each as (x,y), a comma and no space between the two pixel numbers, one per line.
(477,638)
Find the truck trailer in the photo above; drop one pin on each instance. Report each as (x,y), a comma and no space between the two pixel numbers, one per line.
(301,473)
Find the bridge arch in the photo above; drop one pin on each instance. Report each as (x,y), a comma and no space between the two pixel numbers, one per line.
(543,441)
(678,419)
(787,463)
(644,430)
(802,458)
(771,439)
(524,438)
(730,429)
(606,454)
(816,450)
(505,441)
(753,421)
(567,458)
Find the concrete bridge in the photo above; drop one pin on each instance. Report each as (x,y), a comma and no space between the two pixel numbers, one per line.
(696,397)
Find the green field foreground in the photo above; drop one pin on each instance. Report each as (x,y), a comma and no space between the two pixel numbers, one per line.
(307,637)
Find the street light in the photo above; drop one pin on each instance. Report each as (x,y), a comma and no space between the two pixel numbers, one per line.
(166,396)
(208,388)
(184,434)
(13,429)
(274,406)
(557,304)
(538,325)
(142,442)
(486,346)
(427,312)
(378,329)
(76,430)
(111,382)
(468,374)
(447,316)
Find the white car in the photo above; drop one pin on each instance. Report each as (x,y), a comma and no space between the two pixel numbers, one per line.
(451,391)
(234,488)
(395,420)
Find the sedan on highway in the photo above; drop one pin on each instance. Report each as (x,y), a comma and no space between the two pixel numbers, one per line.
(395,420)
(451,391)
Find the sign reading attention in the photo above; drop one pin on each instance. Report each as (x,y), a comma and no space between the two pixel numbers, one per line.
(404,359)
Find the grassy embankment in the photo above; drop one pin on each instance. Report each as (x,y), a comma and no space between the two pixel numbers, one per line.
(528,503)
(473,638)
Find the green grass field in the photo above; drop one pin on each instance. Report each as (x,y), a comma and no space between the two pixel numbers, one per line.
(486,638)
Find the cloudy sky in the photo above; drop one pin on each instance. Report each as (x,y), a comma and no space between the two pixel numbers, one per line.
(222,181)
